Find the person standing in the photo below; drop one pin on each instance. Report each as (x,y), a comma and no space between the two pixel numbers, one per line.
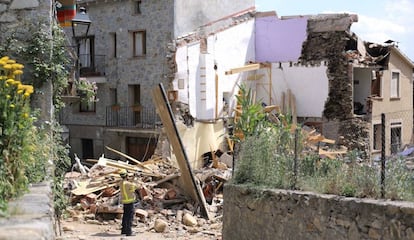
(128,199)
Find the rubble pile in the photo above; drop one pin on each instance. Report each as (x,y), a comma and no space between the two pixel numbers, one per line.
(162,204)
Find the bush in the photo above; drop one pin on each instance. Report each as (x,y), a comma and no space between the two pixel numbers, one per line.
(16,130)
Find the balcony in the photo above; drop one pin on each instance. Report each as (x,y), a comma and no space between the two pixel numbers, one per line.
(92,67)
(132,117)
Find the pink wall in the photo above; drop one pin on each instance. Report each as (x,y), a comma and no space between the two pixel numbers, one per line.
(279,40)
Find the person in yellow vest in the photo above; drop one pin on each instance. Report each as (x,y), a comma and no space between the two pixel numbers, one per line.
(128,199)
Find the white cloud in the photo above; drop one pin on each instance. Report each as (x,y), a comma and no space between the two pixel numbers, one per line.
(377,29)
(399,8)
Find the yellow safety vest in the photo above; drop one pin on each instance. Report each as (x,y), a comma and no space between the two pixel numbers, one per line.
(127,192)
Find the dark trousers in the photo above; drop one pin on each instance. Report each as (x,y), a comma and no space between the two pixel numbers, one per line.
(127,218)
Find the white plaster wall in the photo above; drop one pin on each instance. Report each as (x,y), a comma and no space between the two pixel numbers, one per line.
(202,138)
(230,48)
(363,89)
(308,84)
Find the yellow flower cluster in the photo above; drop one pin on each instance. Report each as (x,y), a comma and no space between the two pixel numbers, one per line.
(10,71)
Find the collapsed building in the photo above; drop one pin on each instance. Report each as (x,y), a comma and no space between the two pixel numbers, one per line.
(311,67)
(341,84)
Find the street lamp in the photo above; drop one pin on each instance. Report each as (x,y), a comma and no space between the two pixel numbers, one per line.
(80,23)
(80,29)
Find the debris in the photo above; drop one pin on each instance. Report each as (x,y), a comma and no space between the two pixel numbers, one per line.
(189,220)
(160,225)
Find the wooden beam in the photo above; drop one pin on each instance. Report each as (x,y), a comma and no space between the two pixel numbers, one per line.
(129,158)
(245,68)
(191,186)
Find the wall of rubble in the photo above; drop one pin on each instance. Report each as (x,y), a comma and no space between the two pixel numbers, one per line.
(282,214)
(326,42)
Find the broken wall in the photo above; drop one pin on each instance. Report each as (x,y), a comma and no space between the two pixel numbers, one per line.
(201,64)
(200,139)
(326,41)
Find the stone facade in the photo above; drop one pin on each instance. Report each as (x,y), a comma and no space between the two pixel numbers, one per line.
(282,214)
(159,19)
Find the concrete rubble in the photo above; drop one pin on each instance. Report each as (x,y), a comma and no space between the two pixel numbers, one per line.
(162,205)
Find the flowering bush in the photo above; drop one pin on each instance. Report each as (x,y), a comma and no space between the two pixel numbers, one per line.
(86,90)
(16,129)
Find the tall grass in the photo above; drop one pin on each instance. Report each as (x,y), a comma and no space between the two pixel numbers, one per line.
(266,159)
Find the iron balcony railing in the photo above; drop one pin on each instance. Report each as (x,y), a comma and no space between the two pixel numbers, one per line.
(132,117)
(92,65)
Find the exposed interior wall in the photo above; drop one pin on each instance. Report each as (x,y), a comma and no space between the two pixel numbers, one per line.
(197,70)
(279,40)
(309,84)
(190,15)
(362,79)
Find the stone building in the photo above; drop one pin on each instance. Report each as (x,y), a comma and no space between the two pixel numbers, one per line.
(130,49)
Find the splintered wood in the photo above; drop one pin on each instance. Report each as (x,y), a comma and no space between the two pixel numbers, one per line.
(313,139)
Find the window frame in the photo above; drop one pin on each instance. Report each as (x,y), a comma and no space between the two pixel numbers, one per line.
(376,137)
(143,43)
(113,49)
(137,7)
(397,94)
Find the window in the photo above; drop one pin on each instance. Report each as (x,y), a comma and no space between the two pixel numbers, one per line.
(86,54)
(376,83)
(395,138)
(113,96)
(377,137)
(112,46)
(395,85)
(87,106)
(137,7)
(87,148)
(139,43)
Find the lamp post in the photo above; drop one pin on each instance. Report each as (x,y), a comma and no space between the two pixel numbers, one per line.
(80,29)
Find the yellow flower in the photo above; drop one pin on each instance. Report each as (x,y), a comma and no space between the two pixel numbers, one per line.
(17,83)
(26,94)
(10,81)
(11,61)
(5,58)
(20,91)
(27,88)
(12,106)
(8,96)
(25,115)
(17,72)
(18,66)
(2,62)
(7,66)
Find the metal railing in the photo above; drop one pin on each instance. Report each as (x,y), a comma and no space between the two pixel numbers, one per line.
(92,65)
(132,117)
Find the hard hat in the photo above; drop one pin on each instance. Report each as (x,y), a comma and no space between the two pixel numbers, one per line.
(122,173)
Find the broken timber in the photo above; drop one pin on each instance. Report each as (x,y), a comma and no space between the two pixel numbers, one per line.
(167,118)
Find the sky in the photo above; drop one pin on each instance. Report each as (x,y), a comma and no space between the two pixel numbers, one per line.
(378,20)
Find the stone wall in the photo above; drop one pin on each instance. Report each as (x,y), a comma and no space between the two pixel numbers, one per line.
(327,42)
(31,216)
(282,214)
